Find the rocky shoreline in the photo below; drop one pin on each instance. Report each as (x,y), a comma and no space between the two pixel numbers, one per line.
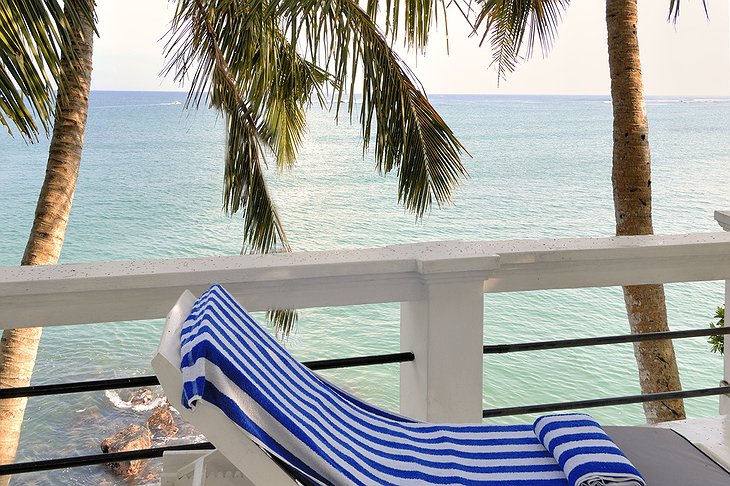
(157,429)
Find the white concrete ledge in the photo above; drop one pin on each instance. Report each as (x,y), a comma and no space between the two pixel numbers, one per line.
(604,262)
(132,290)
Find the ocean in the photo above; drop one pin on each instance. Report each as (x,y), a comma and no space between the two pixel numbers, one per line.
(150,186)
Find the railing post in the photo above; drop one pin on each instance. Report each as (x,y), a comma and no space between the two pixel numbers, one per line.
(723,218)
(445,332)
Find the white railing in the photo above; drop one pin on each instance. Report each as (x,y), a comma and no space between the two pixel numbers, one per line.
(440,285)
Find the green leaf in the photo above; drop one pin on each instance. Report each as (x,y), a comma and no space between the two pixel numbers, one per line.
(34,34)
(674,10)
(513,27)
(718,340)
(407,133)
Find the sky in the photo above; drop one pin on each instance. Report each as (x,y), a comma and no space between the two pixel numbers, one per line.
(691,58)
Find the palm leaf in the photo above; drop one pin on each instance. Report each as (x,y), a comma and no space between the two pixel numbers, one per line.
(243,65)
(33,37)
(514,27)
(216,58)
(413,20)
(674,10)
(275,79)
(408,134)
(284,321)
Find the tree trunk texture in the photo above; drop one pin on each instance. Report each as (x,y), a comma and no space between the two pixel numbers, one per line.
(631,179)
(18,347)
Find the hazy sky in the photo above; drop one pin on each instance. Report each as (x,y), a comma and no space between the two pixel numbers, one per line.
(691,58)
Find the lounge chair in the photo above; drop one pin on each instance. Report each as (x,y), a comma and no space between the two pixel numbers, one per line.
(274,422)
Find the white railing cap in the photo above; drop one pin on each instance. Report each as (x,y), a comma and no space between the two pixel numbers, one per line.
(131,290)
(454,257)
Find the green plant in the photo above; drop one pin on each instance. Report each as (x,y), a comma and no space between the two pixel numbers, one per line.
(718,340)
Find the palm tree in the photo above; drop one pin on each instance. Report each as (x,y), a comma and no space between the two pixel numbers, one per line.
(631,177)
(65,48)
(261,64)
(511,25)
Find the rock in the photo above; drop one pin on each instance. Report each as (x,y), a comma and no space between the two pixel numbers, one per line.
(151,477)
(161,423)
(143,396)
(130,438)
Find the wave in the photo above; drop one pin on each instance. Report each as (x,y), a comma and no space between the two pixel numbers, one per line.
(167,103)
(686,100)
(665,101)
(707,100)
(118,402)
(655,101)
(193,438)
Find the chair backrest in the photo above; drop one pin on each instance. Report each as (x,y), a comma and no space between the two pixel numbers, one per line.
(257,466)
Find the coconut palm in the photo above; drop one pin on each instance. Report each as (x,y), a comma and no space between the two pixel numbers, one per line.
(513,27)
(261,64)
(42,46)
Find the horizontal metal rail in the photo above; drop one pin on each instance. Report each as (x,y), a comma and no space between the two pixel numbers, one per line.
(331,364)
(62,463)
(93,459)
(597,341)
(604,402)
(79,386)
(139,381)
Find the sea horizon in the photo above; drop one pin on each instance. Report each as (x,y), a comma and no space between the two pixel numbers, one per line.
(722,96)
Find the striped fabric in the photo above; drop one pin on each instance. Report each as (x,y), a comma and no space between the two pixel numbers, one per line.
(328,436)
(587,455)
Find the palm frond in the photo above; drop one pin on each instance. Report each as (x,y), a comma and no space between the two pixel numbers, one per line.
(283,320)
(408,134)
(411,20)
(514,27)
(225,52)
(674,10)
(245,187)
(33,37)
(280,91)
(243,65)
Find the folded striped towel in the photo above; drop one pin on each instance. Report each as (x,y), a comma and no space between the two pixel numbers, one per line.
(587,455)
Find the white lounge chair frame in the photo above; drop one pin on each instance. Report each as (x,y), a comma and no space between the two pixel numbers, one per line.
(239,460)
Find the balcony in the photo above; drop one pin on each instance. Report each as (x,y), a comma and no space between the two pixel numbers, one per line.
(440,287)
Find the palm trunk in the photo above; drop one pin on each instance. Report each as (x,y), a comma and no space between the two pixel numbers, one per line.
(632,203)
(18,347)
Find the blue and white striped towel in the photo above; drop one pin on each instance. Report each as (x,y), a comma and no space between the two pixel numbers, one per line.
(328,436)
(587,455)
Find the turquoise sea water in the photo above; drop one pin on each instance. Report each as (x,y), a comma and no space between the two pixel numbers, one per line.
(150,187)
